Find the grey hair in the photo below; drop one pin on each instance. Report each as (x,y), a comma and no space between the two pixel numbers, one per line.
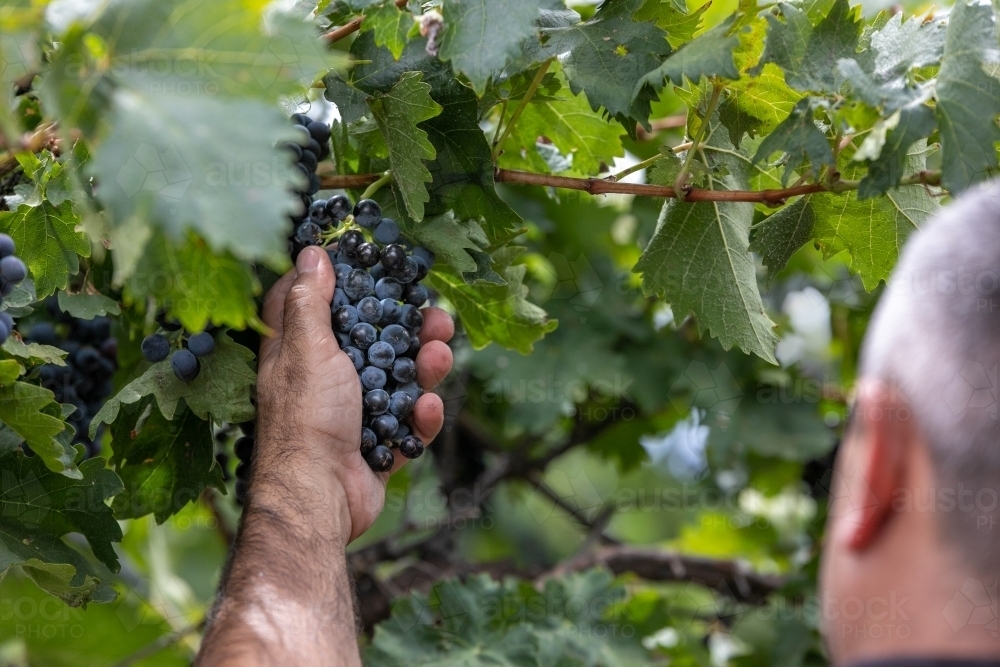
(935,336)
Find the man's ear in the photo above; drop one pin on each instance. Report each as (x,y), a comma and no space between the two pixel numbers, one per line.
(884,430)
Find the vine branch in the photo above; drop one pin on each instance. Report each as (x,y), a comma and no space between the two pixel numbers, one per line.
(343,31)
(600,186)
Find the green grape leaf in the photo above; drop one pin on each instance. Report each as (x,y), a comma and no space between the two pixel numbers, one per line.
(873,231)
(808,55)
(10,370)
(349,100)
(968,99)
(32,413)
(87,306)
(40,501)
(51,564)
(698,260)
(390,25)
(799,138)
(679,24)
(495,313)
(572,127)
(48,241)
(164,467)
(463,171)
(710,54)
(162,47)
(782,234)
(452,241)
(34,352)
(197,286)
(397,113)
(482,36)
(221,390)
(913,123)
(182,163)
(607,56)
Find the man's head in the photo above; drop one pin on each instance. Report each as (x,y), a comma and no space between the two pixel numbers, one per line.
(912,554)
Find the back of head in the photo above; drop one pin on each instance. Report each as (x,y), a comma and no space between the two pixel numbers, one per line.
(936,337)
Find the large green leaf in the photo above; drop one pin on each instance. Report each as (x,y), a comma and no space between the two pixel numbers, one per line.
(807,54)
(48,241)
(221,390)
(968,98)
(86,306)
(782,234)
(482,36)
(187,163)
(495,313)
(607,56)
(197,286)
(698,260)
(397,113)
(32,412)
(873,231)
(164,467)
(572,127)
(38,501)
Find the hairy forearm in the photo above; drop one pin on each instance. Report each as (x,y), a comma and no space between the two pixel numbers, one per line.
(286,597)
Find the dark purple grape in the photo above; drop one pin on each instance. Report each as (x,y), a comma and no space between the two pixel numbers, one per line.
(359,285)
(340,298)
(414,346)
(385,425)
(6,326)
(350,240)
(319,131)
(390,312)
(424,254)
(375,402)
(185,365)
(7,247)
(244,448)
(393,257)
(389,288)
(411,388)
(155,348)
(201,344)
(408,273)
(356,356)
(341,271)
(367,213)
(381,354)
(309,160)
(369,310)
(372,377)
(416,295)
(377,272)
(380,459)
(386,231)
(363,336)
(397,338)
(301,119)
(411,318)
(400,404)
(344,319)
(338,207)
(368,440)
(318,214)
(411,447)
(308,233)
(367,255)
(404,370)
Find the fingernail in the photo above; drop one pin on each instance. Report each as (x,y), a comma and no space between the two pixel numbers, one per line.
(308,260)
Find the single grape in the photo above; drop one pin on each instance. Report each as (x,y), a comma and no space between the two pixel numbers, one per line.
(343,340)
(411,388)
(367,255)
(356,356)
(390,312)
(344,258)
(319,131)
(338,207)
(401,432)
(201,344)
(386,231)
(13,269)
(6,326)
(393,257)
(416,294)
(397,338)
(368,440)
(344,319)
(185,365)
(404,370)
(381,354)
(372,377)
(411,318)
(422,269)
(377,272)
(385,425)
(375,402)
(318,214)
(414,346)
(155,348)
(308,233)
(359,284)
(7,247)
(244,448)
(408,273)
(380,459)
(341,271)
(363,336)
(411,447)
(424,254)
(367,213)
(340,298)
(314,146)
(389,288)
(350,240)
(308,159)
(400,404)
(369,310)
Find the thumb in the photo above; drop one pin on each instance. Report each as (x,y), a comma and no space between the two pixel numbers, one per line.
(307,304)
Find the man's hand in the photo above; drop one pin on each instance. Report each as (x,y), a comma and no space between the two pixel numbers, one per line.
(286,597)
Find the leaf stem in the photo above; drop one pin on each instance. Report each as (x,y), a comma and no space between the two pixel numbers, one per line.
(532,87)
(681,181)
(374,187)
(503,112)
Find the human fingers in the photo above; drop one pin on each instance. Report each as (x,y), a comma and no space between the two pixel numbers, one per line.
(306,312)
(433,363)
(438,325)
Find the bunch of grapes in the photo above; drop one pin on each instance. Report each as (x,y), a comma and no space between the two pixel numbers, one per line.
(12,272)
(184,360)
(376,307)
(91,361)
